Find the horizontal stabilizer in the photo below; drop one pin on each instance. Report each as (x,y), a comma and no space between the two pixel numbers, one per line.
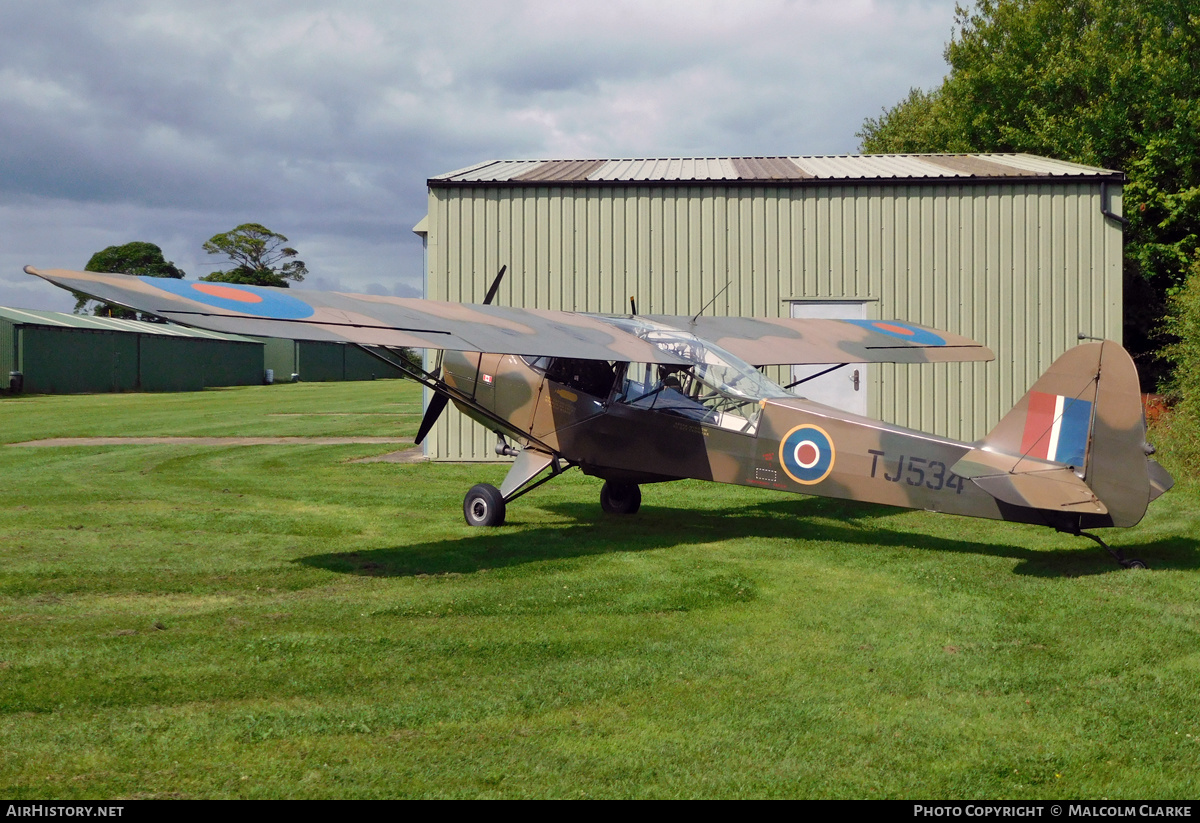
(1161,480)
(1038,484)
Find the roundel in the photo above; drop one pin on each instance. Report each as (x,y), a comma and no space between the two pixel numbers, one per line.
(902,331)
(236,297)
(807,454)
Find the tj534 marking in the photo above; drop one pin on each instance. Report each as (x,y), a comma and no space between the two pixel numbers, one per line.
(916,471)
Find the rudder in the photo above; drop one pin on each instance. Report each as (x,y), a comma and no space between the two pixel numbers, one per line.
(1085,412)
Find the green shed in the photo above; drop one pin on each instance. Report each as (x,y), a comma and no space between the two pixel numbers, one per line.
(54,353)
(316,361)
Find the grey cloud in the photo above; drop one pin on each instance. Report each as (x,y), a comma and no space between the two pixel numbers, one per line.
(171,121)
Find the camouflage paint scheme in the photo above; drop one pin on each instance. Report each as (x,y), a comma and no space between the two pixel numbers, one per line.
(638,400)
(869,460)
(371,320)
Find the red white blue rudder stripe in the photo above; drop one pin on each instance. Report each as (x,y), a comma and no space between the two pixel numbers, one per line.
(1057,428)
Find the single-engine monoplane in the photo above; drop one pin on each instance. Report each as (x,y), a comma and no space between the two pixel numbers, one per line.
(637,399)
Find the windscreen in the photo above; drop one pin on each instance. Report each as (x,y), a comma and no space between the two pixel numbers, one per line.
(716,387)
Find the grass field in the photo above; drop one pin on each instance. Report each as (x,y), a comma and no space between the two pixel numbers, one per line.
(276,621)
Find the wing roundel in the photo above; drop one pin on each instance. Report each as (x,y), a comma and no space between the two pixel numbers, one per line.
(367,320)
(777,341)
(372,320)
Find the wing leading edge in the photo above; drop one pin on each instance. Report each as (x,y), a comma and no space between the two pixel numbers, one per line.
(772,341)
(371,320)
(367,320)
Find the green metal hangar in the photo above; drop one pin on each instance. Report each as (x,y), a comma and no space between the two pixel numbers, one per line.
(45,352)
(1020,252)
(315,361)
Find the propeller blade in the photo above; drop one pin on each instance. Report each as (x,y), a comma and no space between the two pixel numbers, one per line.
(436,405)
(491,293)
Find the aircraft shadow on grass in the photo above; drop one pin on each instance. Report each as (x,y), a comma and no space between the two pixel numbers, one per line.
(800,524)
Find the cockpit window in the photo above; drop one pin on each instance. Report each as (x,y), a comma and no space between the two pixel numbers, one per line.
(715,387)
(539,363)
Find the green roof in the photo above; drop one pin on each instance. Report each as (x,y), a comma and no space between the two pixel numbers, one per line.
(29,317)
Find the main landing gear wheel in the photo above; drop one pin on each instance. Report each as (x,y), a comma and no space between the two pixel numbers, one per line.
(484,506)
(620,498)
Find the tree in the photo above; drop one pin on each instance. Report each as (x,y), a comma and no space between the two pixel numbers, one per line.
(1182,321)
(1110,83)
(259,257)
(144,259)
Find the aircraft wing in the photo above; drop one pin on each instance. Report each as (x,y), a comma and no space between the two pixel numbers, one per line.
(788,341)
(371,320)
(364,319)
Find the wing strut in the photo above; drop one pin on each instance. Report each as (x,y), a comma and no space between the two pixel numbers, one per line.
(795,383)
(437,403)
(443,393)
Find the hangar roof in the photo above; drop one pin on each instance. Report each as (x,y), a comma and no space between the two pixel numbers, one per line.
(873,169)
(29,317)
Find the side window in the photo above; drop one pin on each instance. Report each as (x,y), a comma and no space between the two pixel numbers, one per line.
(679,391)
(536,363)
(663,389)
(594,377)
(640,379)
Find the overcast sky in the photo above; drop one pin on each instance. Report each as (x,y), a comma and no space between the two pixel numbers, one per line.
(169,122)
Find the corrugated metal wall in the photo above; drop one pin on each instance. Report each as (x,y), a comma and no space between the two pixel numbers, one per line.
(1022,267)
(187,364)
(77,361)
(63,360)
(8,355)
(317,361)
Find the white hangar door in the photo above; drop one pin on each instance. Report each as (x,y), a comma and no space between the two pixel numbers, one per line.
(844,388)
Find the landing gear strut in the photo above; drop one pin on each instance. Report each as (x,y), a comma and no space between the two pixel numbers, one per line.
(484,504)
(620,498)
(1117,554)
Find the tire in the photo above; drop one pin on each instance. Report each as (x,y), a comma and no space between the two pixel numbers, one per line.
(484,506)
(620,498)
(1135,564)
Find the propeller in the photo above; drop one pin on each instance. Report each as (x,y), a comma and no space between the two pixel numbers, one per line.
(491,294)
(437,403)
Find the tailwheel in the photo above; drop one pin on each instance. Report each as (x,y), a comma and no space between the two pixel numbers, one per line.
(484,506)
(1117,554)
(620,498)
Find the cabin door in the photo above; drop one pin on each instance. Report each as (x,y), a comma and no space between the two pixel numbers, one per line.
(844,388)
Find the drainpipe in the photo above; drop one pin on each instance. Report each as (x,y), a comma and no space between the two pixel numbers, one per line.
(1105,207)
(16,377)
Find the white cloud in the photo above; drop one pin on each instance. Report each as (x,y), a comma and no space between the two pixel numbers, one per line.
(172,121)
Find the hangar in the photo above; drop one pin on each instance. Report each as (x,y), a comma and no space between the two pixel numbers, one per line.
(1022,253)
(46,352)
(315,361)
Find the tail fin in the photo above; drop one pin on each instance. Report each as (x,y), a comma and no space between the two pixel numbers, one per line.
(1085,412)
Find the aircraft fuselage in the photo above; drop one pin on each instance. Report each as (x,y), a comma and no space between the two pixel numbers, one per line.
(786,443)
